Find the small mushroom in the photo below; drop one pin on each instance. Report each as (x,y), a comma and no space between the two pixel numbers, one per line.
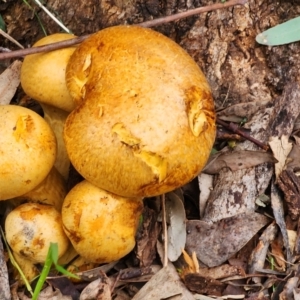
(43,74)
(145,120)
(43,79)
(101,226)
(27,148)
(31,227)
(51,191)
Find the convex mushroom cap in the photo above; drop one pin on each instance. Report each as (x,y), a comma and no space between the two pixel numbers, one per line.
(27,148)
(101,226)
(51,191)
(43,79)
(43,74)
(31,227)
(146,122)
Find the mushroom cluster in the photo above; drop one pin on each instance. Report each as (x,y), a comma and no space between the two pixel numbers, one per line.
(138,121)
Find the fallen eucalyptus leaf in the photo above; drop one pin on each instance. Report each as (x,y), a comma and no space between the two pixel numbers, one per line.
(176,230)
(281,34)
(9,81)
(98,289)
(241,110)
(237,160)
(279,216)
(216,243)
(165,284)
(281,148)
(259,253)
(206,186)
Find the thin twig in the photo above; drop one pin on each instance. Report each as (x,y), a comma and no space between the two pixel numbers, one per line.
(236,129)
(7,36)
(45,48)
(195,11)
(37,17)
(52,16)
(155,22)
(165,230)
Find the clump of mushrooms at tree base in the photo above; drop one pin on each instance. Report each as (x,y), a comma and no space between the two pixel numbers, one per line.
(132,112)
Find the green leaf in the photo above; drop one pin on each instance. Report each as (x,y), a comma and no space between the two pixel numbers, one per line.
(281,34)
(2,24)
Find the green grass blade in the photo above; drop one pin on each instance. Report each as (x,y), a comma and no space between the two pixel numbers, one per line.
(15,264)
(43,275)
(60,269)
(37,17)
(54,252)
(63,271)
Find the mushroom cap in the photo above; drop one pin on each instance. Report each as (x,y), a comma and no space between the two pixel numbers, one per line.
(43,74)
(145,123)
(51,191)
(31,227)
(101,226)
(27,148)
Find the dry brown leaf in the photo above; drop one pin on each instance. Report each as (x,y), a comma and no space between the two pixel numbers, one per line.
(292,235)
(215,243)
(281,148)
(146,238)
(176,225)
(98,289)
(296,293)
(293,160)
(259,254)
(241,110)
(164,284)
(277,252)
(121,295)
(137,274)
(237,160)
(221,272)
(205,185)
(279,216)
(9,81)
(204,284)
(289,183)
(47,294)
(288,290)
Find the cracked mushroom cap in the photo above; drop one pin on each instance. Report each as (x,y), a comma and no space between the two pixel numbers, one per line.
(146,121)
(100,225)
(27,150)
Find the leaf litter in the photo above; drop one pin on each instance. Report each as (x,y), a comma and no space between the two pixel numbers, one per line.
(215,241)
(235,246)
